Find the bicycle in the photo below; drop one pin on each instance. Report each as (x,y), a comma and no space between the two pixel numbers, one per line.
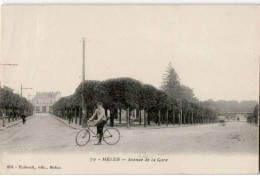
(110,135)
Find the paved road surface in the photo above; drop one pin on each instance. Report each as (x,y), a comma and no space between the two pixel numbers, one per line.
(44,133)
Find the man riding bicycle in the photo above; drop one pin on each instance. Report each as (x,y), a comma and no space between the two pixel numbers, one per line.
(101,121)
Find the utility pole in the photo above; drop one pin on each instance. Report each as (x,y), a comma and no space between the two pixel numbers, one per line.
(9,64)
(83,76)
(83,62)
(258,111)
(23,89)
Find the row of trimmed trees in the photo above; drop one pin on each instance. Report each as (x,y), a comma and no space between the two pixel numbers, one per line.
(139,102)
(12,105)
(254,117)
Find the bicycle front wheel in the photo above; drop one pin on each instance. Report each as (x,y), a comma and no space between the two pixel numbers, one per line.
(111,136)
(82,137)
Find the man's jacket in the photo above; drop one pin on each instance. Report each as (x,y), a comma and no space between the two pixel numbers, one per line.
(100,114)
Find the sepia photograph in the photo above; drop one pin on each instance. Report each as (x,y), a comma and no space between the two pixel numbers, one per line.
(129,89)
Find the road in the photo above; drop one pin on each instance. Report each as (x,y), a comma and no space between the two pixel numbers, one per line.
(44,133)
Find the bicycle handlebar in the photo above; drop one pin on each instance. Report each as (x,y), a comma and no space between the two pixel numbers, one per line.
(88,124)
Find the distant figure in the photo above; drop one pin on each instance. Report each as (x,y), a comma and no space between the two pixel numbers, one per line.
(157,120)
(238,119)
(222,122)
(3,116)
(111,121)
(23,116)
(69,116)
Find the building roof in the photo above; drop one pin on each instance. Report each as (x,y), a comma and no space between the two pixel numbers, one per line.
(47,94)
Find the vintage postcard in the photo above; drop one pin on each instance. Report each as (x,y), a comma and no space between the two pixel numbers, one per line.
(129,89)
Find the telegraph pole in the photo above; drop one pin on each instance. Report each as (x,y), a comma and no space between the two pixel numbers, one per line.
(23,89)
(258,100)
(83,62)
(9,64)
(83,75)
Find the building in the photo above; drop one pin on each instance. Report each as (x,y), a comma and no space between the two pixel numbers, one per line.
(43,101)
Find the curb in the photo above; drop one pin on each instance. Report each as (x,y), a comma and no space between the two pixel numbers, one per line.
(59,119)
(11,125)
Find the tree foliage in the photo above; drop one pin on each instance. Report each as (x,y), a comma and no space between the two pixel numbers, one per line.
(254,116)
(233,106)
(12,101)
(128,93)
(171,85)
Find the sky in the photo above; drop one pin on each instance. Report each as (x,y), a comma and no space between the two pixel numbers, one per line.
(214,49)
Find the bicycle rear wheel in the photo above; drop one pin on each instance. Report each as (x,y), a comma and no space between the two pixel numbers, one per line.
(111,136)
(82,137)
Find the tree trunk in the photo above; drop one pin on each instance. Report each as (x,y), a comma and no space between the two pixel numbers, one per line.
(127,118)
(145,118)
(106,112)
(159,117)
(140,116)
(188,118)
(3,118)
(130,115)
(76,115)
(148,119)
(80,116)
(72,118)
(113,115)
(180,117)
(191,117)
(173,117)
(167,117)
(120,116)
(13,114)
(8,115)
(69,116)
